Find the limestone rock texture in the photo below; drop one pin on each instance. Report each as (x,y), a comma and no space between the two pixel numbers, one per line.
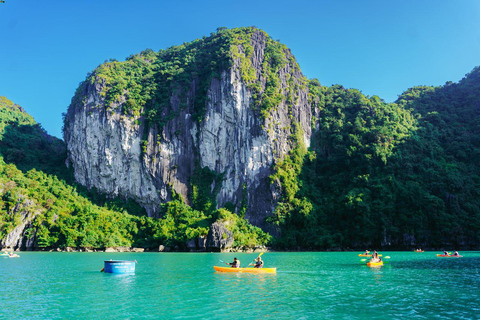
(125,155)
(219,237)
(23,236)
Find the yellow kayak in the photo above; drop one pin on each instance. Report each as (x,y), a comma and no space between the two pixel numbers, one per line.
(375,264)
(245,270)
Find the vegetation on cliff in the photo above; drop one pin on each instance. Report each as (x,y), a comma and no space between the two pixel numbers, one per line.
(145,83)
(397,174)
(37,188)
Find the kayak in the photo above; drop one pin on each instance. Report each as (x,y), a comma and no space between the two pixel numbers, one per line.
(245,270)
(367,255)
(419,250)
(448,256)
(375,264)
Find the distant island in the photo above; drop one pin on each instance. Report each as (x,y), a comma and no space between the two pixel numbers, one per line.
(222,144)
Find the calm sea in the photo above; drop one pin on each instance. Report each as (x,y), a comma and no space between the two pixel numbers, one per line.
(184,286)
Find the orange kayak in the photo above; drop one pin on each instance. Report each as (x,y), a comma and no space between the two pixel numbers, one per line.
(245,270)
(375,264)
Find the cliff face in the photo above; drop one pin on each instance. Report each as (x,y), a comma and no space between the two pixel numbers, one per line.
(235,137)
(104,150)
(23,236)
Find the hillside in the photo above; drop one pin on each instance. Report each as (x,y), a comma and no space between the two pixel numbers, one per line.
(397,175)
(44,210)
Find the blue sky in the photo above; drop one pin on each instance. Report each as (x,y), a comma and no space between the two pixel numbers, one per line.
(379,47)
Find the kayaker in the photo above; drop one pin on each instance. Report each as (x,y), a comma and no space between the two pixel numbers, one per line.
(258,263)
(455,254)
(366,253)
(235,263)
(375,257)
(445,253)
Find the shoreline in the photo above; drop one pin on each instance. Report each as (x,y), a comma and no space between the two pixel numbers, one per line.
(213,250)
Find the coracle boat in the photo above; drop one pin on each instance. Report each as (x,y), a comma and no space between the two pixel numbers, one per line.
(245,270)
(375,264)
(119,266)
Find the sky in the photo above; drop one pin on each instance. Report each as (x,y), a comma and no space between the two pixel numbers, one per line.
(379,47)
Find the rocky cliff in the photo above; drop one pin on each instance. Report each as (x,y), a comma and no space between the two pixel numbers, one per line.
(180,121)
(23,235)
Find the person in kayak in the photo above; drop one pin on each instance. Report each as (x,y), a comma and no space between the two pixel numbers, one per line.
(375,257)
(366,253)
(258,263)
(445,253)
(235,263)
(455,254)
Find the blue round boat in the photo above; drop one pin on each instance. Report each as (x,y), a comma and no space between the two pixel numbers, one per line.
(119,266)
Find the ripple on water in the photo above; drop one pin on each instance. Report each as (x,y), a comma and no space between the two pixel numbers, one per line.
(307,286)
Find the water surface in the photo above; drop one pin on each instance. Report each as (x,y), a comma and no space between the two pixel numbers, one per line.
(320,285)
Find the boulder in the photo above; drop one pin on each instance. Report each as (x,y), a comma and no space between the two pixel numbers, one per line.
(219,237)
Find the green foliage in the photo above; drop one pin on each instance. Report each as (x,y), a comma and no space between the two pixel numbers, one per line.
(277,60)
(146,82)
(205,186)
(292,212)
(244,234)
(26,144)
(180,223)
(61,216)
(386,171)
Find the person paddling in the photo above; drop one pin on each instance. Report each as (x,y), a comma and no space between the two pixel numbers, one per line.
(455,254)
(258,263)
(445,253)
(375,257)
(235,263)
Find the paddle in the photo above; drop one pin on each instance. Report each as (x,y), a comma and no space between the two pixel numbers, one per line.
(256,258)
(223,261)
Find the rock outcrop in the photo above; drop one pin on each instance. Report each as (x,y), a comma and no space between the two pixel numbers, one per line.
(23,236)
(126,155)
(219,237)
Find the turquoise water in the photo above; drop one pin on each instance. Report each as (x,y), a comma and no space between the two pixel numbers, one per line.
(320,285)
